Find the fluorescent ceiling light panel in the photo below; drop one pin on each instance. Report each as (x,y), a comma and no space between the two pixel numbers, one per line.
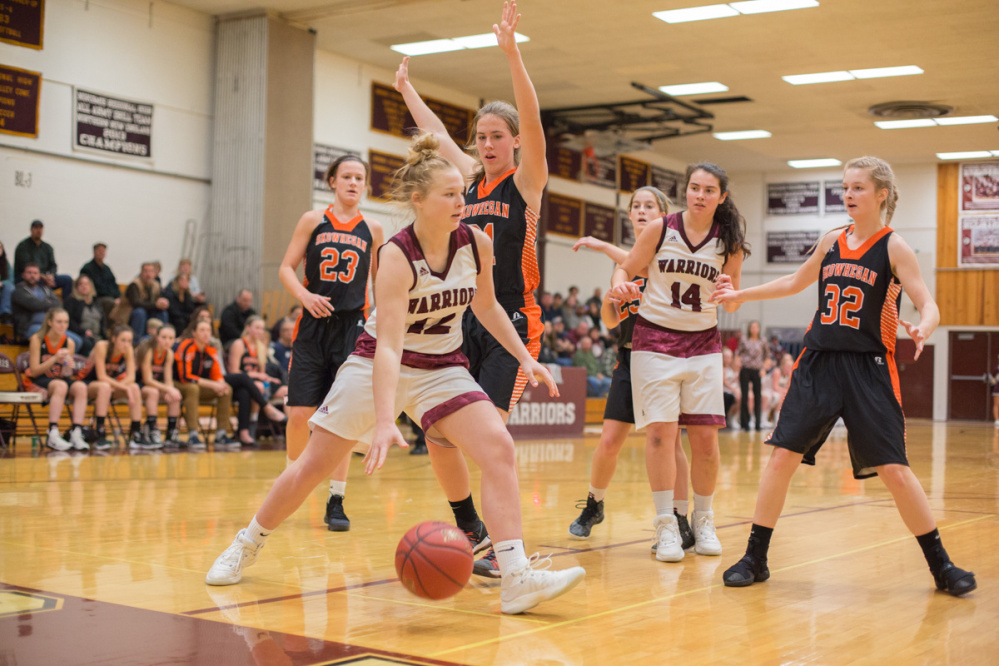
(879,72)
(484,40)
(694,88)
(812,164)
(739,136)
(456,44)
(695,14)
(967,155)
(822,77)
(905,124)
(966,120)
(763,6)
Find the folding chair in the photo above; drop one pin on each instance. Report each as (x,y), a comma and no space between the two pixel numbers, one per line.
(18,397)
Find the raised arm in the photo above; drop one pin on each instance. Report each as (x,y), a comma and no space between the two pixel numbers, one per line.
(428,121)
(637,261)
(615,253)
(318,306)
(906,268)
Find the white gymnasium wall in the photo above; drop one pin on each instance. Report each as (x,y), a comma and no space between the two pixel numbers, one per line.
(156,53)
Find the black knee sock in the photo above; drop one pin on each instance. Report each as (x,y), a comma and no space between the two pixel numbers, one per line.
(759,541)
(135,427)
(933,550)
(465,514)
(171,423)
(151,422)
(99,422)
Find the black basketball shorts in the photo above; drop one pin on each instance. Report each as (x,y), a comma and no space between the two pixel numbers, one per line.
(495,370)
(620,404)
(317,354)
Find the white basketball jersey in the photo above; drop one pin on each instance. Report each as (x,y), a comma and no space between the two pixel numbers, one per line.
(682,278)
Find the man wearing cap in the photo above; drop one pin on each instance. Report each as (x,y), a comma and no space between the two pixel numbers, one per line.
(105,285)
(34,250)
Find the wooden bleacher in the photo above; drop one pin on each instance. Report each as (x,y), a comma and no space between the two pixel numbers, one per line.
(595,410)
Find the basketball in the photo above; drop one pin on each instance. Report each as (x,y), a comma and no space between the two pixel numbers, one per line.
(434,560)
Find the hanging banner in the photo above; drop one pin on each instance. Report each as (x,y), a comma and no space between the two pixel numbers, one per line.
(564,162)
(626,232)
(19,94)
(598,221)
(322,157)
(108,125)
(634,174)
(565,216)
(22,22)
(980,186)
(978,241)
(793,198)
(383,168)
(668,182)
(832,197)
(790,247)
(390,115)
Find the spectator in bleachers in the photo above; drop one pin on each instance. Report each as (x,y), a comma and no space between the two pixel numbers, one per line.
(143,300)
(86,315)
(248,378)
(570,312)
(112,362)
(234,316)
(776,349)
(730,382)
(579,331)
(50,372)
(281,348)
(32,298)
(557,304)
(547,353)
(548,311)
(153,327)
(293,314)
(597,383)
(154,358)
(780,380)
(34,250)
(200,379)
(184,268)
(6,287)
(564,346)
(105,285)
(608,360)
(596,299)
(200,314)
(753,351)
(180,300)
(599,345)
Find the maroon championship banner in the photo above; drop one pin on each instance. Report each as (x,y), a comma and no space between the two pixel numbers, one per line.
(22,22)
(598,221)
(383,168)
(668,182)
(564,162)
(790,247)
(625,231)
(793,198)
(390,115)
(633,174)
(980,186)
(564,215)
(602,171)
(112,126)
(832,197)
(19,94)
(540,415)
(322,157)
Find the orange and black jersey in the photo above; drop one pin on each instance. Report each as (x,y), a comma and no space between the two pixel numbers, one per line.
(628,313)
(249,361)
(115,366)
(337,263)
(157,364)
(193,363)
(47,352)
(498,209)
(859,297)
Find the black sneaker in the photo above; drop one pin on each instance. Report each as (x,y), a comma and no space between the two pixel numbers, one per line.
(173,438)
(336,520)
(194,442)
(487,566)
(686,534)
(593,514)
(479,538)
(137,441)
(227,442)
(955,581)
(745,572)
(102,443)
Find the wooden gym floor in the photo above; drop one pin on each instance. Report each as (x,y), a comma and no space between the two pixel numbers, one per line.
(102,561)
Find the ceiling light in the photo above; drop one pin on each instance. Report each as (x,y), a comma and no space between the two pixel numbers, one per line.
(484,40)
(763,6)
(879,72)
(906,124)
(967,155)
(695,14)
(694,88)
(738,136)
(966,120)
(822,77)
(812,164)
(456,44)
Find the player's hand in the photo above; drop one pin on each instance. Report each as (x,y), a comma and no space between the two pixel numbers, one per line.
(537,372)
(318,306)
(505,37)
(402,75)
(726,294)
(588,242)
(385,436)
(723,281)
(624,292)
(63,355)
(917,336)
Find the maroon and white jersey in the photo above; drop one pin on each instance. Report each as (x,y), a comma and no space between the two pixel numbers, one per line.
(682,278)
(437,302)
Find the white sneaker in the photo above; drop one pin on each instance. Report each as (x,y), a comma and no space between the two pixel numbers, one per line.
(228,568)
(705,540)
(529,586)
(76,439)
(669,545)
(55,441)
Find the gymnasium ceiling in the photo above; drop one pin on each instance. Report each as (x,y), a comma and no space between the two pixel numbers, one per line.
(589,51)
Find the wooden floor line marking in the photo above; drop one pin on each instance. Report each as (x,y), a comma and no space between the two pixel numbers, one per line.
(677,595)
(447,610)
(289,597)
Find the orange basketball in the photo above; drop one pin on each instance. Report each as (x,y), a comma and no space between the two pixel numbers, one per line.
(434,560)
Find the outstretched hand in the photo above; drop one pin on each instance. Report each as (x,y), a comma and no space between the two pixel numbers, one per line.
(724,293)
(588,242)
(624,292)
(505,37)
(917,336)
(402,75)
(535,371)
(384,438)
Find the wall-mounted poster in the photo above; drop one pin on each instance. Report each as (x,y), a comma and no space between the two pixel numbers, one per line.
(383,168)
(978,241)
(633,174)
(625,231)
(790,247)
(668,182)
(792,198)
(564,162)
(322,157)
(980,186)
(389,114)
(19,93)
(565,215)
(22,22)
(832,193)
(598,221)
(109,125)
(599,170)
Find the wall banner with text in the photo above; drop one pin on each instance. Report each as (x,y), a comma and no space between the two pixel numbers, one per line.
(322,157)
(19,94)
(793,198)
(978,241)
(980,186)
(112,126)
(22,22)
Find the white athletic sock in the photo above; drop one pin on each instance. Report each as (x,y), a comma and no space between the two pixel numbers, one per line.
(663,499)
(702,502)
(256,533)
(338,488)
(680,506)
(598,493)
(510,555)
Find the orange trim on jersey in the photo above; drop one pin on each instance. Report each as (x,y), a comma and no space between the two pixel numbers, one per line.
(846,253)
(529,256)
(889,316)
(534,347)
(294,334)
(342,226)
(535,327)
(48,348)
(485,189)
(893,371)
